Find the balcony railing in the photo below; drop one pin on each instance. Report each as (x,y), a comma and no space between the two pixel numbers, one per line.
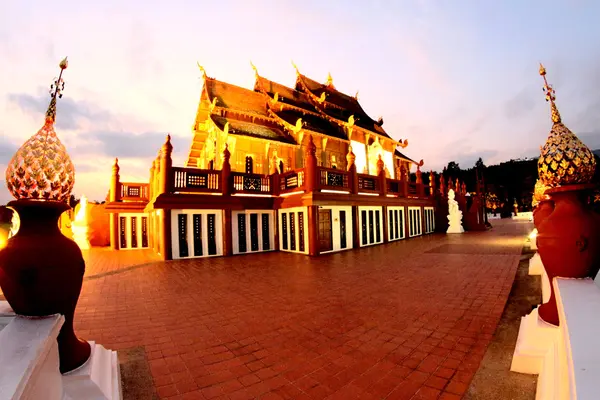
(333,179)
(251,183)
(412,189)
(196,180)
(395,187)
(368,184)
(134,191)
(291,181)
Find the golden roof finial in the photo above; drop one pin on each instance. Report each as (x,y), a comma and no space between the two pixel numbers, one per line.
(255,70)
(56,91)
(202,70)
(550,96)
(356,96)
(329,79)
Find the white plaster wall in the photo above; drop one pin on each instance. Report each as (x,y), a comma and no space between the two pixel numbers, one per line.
(234,230)
(296,234)
(429,222)
(336,227)
(401,227)
(190,232)
(360,234)
(128,217)
(419,227)
(360,152)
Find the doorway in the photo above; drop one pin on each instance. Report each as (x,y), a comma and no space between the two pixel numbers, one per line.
(325,231)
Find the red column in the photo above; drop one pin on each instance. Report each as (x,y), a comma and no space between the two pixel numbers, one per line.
(226,174)
(227,233)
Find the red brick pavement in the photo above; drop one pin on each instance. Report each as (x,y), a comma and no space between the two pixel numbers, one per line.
(406,320)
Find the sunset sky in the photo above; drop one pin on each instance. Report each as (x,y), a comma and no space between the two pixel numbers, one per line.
(458,79)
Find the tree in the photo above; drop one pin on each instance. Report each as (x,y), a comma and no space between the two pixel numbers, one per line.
(452,170)
(479,165)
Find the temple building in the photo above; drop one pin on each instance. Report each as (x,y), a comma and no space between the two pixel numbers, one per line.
(301,169)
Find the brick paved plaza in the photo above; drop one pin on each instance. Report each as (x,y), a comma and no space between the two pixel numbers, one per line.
(406,320)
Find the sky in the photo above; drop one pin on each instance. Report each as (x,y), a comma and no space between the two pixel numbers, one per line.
(458,79)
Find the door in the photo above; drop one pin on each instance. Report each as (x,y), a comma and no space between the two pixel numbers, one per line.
(325,232)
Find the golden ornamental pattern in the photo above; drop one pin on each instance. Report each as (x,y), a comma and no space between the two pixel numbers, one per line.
(539,193)
(41,169)
(564,159)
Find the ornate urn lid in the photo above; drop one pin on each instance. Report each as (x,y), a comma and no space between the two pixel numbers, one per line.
(564,159)
(41,169)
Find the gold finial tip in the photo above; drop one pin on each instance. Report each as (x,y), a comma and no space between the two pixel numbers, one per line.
(64,63)
(542,70)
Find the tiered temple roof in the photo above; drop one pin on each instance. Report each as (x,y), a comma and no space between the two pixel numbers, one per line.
(275,112)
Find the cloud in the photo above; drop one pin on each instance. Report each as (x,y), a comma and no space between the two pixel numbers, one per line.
(7,150)
(129,144)
(72,113)
(520,105)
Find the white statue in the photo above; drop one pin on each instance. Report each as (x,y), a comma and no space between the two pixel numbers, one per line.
(454,215)
(80,225)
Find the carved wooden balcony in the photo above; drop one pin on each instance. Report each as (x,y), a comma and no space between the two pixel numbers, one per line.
(193,180)
(131,191)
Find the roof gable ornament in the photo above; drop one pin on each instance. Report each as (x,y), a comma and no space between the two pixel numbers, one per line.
(321,99)
(402,144)
(255,70)
(276,97)
(212,105)
(356,96)
(202,70)
(296,68)
(298,127)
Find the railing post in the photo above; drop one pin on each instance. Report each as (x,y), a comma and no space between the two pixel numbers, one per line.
(352,174)
(166,163)
(311,169)
(420,187)
(381,176)
(275,184)
(403,181)
(226,172)
(151,184)
(115,189)
(114,195)
(431,184)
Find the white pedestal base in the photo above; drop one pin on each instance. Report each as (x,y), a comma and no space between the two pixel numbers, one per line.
(535,265)
(535,341)
(98,379)
(456,229)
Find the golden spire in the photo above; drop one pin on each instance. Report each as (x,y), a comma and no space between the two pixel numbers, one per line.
(564,159)
(329,79)
(550,96)
(56,91)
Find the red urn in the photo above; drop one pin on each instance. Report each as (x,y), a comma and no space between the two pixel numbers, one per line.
(41,271)
(568,241)
(569,237)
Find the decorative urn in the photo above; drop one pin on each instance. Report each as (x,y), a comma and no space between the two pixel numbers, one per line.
(569,237)
(541,203)
(41,271)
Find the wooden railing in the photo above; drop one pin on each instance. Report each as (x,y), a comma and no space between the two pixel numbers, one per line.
(291,181)
(131,191)
(196,180)
(412,189)
(333,179)
(251,183)
(395,187)
(368,183)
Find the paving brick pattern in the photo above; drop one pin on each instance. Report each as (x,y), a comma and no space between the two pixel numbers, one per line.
(397,321)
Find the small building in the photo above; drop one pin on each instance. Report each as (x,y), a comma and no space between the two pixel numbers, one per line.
(300,169)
